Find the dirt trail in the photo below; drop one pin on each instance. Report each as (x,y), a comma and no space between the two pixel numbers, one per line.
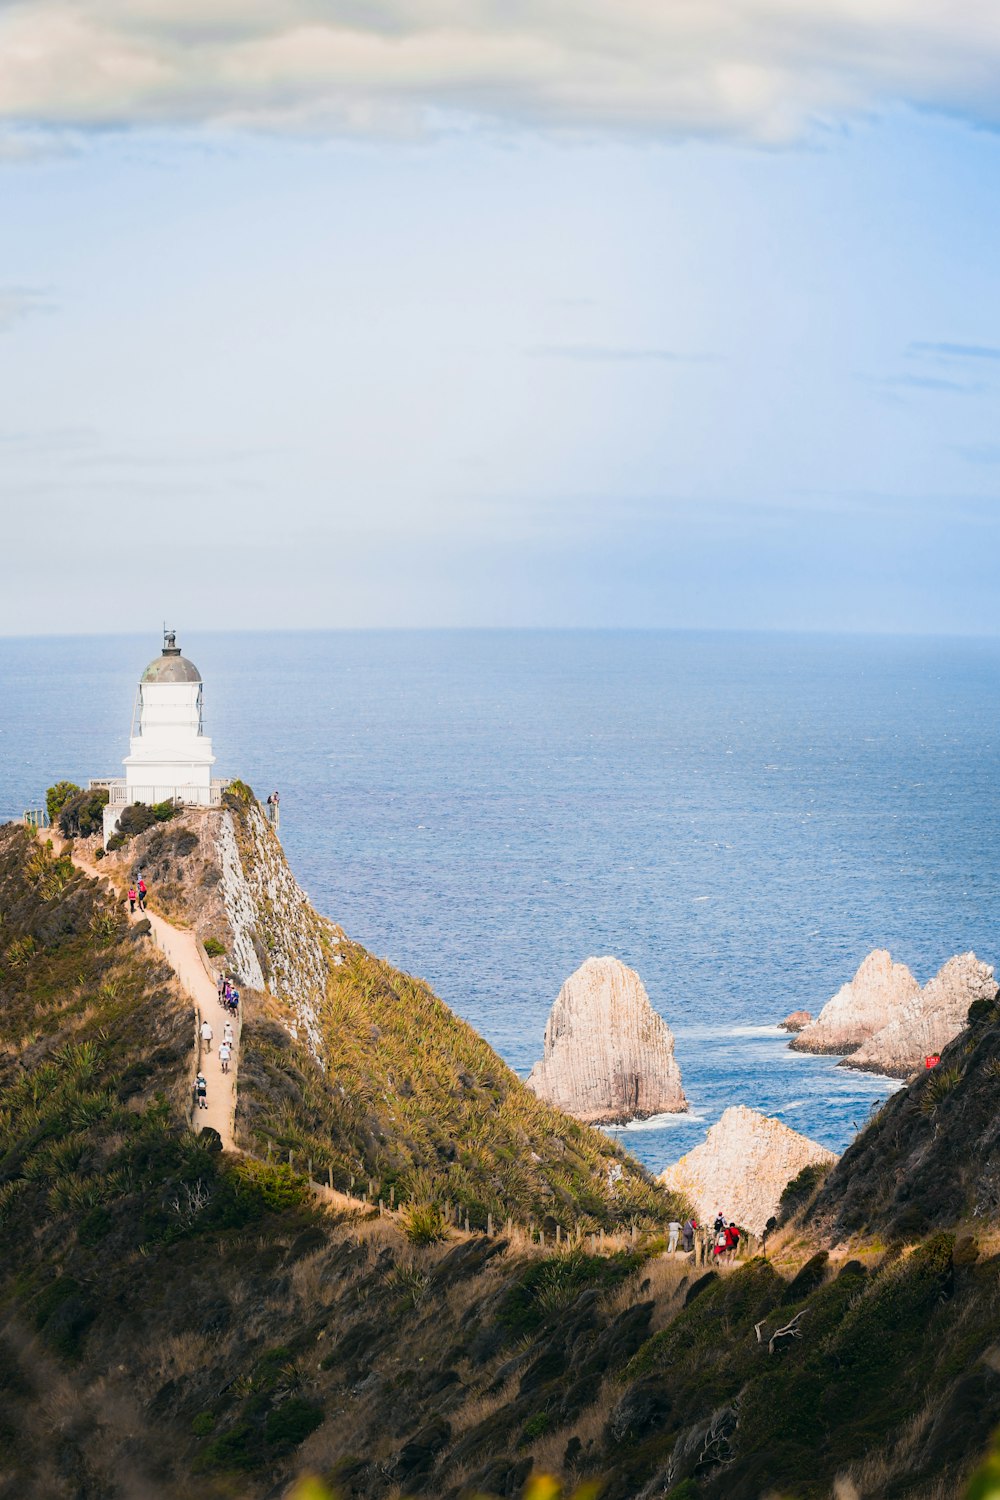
(180,949)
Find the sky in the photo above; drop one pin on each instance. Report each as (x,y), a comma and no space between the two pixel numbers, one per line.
(612,313)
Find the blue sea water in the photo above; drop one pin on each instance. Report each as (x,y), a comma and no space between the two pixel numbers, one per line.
(741,818)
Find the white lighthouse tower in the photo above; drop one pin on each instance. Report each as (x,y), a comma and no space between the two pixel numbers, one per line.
(169,756)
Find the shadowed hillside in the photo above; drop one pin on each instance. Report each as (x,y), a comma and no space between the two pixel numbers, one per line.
(176,1320)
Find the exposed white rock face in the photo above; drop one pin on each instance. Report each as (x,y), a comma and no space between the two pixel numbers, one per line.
(929,1021)
(796,1021)
(273,926)
(874,997)
(608,1056)
(742,1167)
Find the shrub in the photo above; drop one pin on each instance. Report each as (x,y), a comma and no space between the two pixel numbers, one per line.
(57,796)
(424,1223)
(203,1424)
(269,1187)
(83,814)
(939,1085)
(291,1422)
(164,811)
(136,818)
(982,1010)
(213,947)
(800,1189)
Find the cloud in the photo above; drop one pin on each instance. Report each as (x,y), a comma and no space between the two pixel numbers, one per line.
(932,383)
(763,71)
(17,302)
(980,453)
(603,354)
(955,351)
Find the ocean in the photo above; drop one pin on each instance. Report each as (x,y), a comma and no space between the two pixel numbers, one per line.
(739,817)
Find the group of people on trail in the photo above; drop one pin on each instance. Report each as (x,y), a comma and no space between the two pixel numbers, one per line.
(688,1230)
(727,1236)
(137,893)
(229,995)
(226,1046)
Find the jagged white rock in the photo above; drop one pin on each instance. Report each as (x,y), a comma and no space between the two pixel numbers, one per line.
(929,1021)
(608,1057)
(873,998)
(742,1167)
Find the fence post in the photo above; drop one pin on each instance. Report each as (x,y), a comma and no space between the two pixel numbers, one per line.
(330,1175)
(310,1168)
(634,1235)
(558,1234)
(489,1224)
(291,1157)
(392,1196)
(467,1223)
(381,1208)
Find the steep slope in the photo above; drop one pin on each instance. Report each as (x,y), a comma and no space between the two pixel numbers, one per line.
(931,1154)
(178,1321)
(608,1057)
(349,1062)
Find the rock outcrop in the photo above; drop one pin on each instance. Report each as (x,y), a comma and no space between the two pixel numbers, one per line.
(796,1021)
(608,1056)
(874,997)
(929,1021)
(742,1167)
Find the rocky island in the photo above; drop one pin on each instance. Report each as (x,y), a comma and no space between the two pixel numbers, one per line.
(883,1022)
(742,1167)
(608,1057)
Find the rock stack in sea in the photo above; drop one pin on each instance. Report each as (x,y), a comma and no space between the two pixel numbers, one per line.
(858,1010)
(742,1167)
(796,1021)
(927,1023)
(608,1057)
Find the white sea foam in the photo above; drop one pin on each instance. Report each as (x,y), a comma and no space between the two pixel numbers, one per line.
(659,1122)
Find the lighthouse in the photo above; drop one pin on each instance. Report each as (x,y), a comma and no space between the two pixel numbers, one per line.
(170,756)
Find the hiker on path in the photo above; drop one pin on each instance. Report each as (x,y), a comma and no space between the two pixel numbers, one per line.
(207,1034)
(689,1228)
(675,1229)
(732,1239)
(720,1222)
(142,894)
(131,900)
(201,1091)
(721,1244)
(225,1053)
(220,985)
(227,1033)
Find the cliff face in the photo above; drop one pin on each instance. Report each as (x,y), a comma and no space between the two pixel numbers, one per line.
(928,1021)
(797,1021)
(608,1056)
(742,1167)
(859,1009)
(930,1156)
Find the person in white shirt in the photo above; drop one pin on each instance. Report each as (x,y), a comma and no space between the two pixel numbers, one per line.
(225,1053)
(675,1229)
(206,1035)
(227,1033)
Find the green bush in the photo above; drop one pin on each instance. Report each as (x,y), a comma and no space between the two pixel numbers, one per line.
(83,814)
(57,796)
(799,1190)
(214,948)
(136,818)
(424,1223)
(269,1187)
(164,811)
(551,1284)
(291,1422)
(203,1424)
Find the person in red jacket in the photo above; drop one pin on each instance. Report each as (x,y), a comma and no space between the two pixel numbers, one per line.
(732,1239)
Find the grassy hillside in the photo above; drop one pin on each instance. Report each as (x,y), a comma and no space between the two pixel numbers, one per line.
(173,1320)
(397,1089)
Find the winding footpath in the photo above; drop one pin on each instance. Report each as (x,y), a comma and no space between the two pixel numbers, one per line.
(181,950)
